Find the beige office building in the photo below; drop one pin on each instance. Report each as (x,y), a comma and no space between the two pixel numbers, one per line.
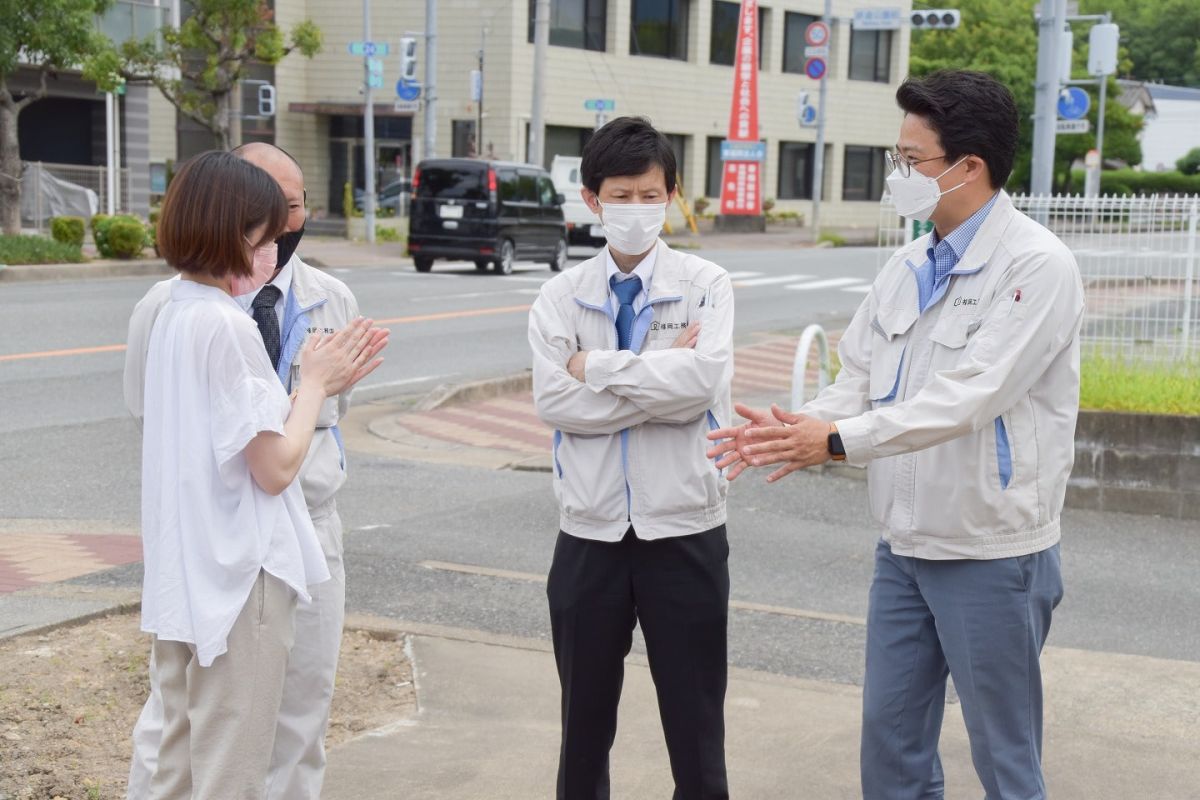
(669,60)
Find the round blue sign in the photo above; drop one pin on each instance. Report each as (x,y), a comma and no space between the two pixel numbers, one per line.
(1074,103)
(815,68)
(407,91)
(808,116)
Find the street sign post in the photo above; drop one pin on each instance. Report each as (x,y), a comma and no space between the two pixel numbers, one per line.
(817,34)
(815,68)
(407,91)
(1073,103)
(407,106)
(600,105)
(1072,126)
(877,19)
(817,52)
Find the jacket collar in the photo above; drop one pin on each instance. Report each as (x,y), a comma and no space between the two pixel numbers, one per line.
(305,288)
(988,238)
(592,290)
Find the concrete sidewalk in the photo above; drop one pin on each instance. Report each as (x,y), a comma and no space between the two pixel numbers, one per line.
(1117,728)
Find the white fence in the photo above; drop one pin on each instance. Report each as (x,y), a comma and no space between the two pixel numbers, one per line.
(1140,262)
(40,196)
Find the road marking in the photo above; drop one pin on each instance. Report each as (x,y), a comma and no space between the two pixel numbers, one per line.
(737,276)
(770,281)
(477,312)
(825,284)
(119,348)
(405,382)
(74,351)
(866,287)
(531,577)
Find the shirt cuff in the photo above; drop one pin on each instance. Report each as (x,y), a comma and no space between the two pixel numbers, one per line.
(597,370)
(856,439)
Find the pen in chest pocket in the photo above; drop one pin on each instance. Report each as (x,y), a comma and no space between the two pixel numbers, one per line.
(1016,298)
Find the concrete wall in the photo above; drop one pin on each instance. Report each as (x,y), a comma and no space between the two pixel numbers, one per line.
(1138,463)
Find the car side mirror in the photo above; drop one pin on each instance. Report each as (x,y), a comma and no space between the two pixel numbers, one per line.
(560,199)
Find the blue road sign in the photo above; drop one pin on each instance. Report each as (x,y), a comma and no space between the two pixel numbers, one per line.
(815,68)
(368,48)
(743,151)
(600,105)
(407,91)
(1074,103)
(808,116)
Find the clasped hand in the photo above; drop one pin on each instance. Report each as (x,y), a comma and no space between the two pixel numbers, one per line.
(577,365)
(774,437)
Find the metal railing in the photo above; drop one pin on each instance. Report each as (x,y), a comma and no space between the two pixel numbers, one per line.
(1139,258)
(812,335)
(36,208)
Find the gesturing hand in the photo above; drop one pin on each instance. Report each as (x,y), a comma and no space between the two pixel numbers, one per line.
(801,442)
(733,440)
(337,361)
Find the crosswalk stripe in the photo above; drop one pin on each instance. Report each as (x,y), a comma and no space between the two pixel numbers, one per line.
(737,276)
(866,287)
(828,283)
(774,279)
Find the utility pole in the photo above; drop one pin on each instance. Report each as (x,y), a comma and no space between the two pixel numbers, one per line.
(479,123)
(541,43)
(368,128)
(430,79)
(1045,114)
(819,155)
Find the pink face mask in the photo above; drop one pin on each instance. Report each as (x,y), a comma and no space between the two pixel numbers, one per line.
(263,268)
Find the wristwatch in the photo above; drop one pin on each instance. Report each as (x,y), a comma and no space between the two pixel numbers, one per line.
(837,451)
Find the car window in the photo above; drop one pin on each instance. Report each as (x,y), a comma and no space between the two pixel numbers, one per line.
(526,191)
(508,185)
(547,195)
(447,183)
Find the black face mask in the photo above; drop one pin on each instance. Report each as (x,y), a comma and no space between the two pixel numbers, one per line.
(287,244)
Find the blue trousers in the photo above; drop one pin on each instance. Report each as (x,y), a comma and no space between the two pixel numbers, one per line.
(982,622)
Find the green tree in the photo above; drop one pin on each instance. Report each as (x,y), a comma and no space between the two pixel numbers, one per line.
(198,66)
(1162,38)
(999,37)
(46,36)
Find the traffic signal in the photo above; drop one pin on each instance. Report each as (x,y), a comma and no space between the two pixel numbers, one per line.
(935,19)
(408,59)
(266,100)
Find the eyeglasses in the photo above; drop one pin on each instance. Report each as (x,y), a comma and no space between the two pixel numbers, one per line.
(905,165)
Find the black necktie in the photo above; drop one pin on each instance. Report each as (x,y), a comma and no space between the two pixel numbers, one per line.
(263,311)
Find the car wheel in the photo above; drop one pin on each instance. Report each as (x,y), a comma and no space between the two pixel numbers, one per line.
(482,264)
(508,255)
(422,264)
(560,256)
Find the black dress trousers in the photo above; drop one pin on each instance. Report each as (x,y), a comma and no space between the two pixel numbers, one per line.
(678,589)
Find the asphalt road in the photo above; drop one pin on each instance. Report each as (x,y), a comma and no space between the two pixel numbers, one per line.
(68,450)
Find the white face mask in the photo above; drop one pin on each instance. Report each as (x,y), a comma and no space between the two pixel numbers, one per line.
(917,195)
(632,229)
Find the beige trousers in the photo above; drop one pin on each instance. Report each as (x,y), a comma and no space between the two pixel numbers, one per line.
(219,721)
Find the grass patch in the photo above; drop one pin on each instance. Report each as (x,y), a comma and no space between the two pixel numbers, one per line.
(37,250)
(1116,384)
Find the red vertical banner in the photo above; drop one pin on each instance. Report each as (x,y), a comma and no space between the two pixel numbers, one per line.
(742,154)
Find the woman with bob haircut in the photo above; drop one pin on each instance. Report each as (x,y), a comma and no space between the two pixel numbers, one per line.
(229,548)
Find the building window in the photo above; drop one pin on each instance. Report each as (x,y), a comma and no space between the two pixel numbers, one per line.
(574,23)
(659,28)
(679,147)
(723,42)
(871,56)
(713,167)
(862,177)
(794,26)
(462,138)
(796,170)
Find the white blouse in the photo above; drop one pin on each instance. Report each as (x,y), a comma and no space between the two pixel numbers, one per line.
(207,527)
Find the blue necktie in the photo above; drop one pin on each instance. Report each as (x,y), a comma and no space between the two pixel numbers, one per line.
(625,291)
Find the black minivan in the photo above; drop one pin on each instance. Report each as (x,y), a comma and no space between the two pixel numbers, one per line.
(489,212)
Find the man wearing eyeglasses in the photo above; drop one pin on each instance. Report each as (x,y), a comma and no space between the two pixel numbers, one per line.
(959,391)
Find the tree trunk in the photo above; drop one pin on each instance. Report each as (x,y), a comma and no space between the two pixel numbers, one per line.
(10,168)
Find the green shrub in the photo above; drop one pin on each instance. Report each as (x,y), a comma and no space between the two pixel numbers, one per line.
(37,250)
(768,204)
(126,237)
(835,239)
(1190,163)
(101,234)
(95,223)
(1131,182)
(387,235)
(68,230)
(1119,384)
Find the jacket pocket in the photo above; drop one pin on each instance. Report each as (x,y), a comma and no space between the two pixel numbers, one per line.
(557,442)
(891,325)
(1004,464)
